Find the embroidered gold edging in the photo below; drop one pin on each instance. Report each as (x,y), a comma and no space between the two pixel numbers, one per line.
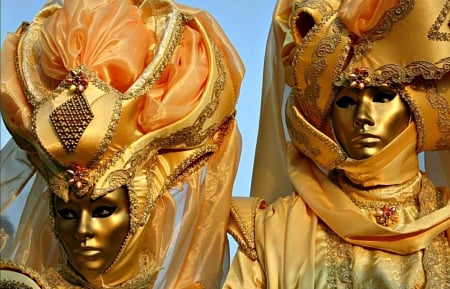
(30,273)
(11,284)
(310,94)
(392,73)
(173,36)
(439,103)
(419,119)
(191,136)
(406,202)
(385,25)
(340,260)
(436,262)
(385,212)
(246,240)
(434,33)
(303,134)
(324,8)
(436,259)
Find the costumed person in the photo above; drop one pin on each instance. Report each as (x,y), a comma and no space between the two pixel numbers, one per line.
(123,122)
(368,89)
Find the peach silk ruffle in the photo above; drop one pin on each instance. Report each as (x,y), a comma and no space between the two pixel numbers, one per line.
(180,87)
(111,38)
(360,16)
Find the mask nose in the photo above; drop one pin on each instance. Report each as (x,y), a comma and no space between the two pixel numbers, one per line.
(364,114)
(84,228)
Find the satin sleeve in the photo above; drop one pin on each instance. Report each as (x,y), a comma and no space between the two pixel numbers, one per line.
(245,273)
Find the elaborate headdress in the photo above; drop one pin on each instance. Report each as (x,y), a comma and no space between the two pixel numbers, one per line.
(330,44)
(103,94)
(342,49)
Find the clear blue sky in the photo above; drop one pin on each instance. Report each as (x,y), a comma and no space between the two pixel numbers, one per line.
(246,23)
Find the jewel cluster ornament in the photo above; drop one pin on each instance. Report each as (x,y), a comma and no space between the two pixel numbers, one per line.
(359,78)
(387,216)
(77,178)
(77,81)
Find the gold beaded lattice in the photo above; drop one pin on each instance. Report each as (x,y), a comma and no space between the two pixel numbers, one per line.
(71,118)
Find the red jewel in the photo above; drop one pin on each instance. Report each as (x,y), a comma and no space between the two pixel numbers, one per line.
(77,174)
(386,211)
(263,205)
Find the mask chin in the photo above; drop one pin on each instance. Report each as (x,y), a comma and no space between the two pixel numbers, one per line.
(395,164)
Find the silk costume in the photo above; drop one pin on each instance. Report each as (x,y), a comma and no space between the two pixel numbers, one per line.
(154,110)
(321,230)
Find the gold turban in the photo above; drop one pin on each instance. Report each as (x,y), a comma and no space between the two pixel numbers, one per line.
(383,40)
(103,94)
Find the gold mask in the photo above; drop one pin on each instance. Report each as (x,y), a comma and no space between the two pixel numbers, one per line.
(92,231)
(367,120)
(323,53)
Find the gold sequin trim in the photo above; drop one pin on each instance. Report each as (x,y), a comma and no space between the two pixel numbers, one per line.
(436,258)
(173,36)
(247,242)
(6,265)
(436,31)
(340,260)
(307,97)
(440,104)
(365,43)
(305,134)
(10,284)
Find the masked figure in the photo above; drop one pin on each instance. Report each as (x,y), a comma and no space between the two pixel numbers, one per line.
(368,90)
(122,116)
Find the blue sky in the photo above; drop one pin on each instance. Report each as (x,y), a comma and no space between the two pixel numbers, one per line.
(246,23)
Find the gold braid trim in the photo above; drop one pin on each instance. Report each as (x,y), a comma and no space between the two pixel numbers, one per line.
(242,223)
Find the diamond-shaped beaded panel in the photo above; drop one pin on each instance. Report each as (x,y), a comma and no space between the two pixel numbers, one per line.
(70,120)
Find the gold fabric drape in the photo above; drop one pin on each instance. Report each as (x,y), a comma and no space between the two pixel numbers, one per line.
(320,230)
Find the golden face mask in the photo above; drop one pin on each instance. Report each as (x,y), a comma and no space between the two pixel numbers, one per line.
(365,121)
(327,54)
(92,231)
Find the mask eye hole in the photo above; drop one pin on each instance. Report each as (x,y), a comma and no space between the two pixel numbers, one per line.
(345,102)
(103,211)
(67,214)
(304,23)
(384,97)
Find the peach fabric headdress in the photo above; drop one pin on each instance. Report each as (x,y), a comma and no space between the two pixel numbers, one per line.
(104,93)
